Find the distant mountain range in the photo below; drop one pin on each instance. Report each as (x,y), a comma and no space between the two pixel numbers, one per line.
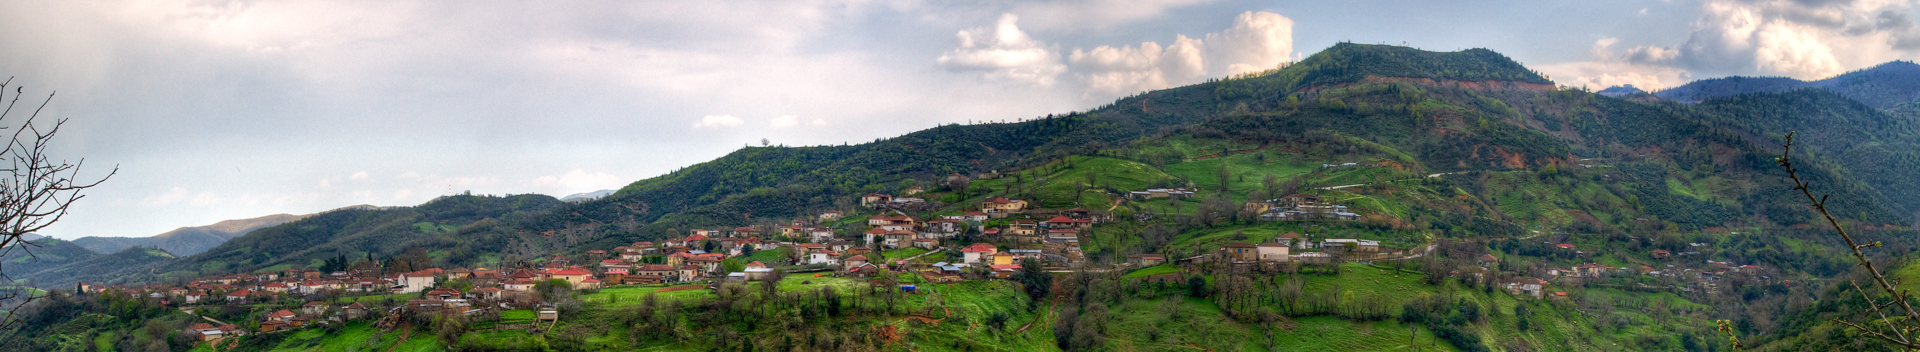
(1881,87)
(582,197)
(1620,91)
(186,240)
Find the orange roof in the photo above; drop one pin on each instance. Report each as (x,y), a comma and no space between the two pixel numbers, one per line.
(571,272)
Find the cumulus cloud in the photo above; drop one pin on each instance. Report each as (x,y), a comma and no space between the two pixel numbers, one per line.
(1005,52)
(1256,41)
(716,121)
(1799,39)
(360,176)
(1609,69)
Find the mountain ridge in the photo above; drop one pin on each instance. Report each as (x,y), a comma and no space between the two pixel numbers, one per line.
(1882,86)
(188,240)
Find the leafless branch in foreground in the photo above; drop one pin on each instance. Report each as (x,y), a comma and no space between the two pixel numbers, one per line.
(1898,322)
(35,191)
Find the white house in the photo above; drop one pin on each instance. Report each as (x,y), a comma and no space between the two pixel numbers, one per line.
(415,281)
(1272,251)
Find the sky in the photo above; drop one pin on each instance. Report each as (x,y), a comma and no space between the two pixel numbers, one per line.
(216,110)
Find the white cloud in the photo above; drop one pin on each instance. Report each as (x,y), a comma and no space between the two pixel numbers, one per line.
(784,121)
(1600,75)
(1800,39)
(1257,41)
(1077,15)
(716,121)
(578,180)
(360,176)
(819,122)
(1004,52)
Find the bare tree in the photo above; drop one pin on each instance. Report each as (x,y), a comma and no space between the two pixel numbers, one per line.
(1898,321)
(37,192)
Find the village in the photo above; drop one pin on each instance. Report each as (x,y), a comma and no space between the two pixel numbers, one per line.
(990,240)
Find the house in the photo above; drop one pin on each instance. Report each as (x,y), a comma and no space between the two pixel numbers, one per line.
(1292,239)
(974,216)
(1566,246)
(875,200)
(1488,260)
(239,295)
(275,287)
(443,293)
(1064,222)
(662,271)
(614,264)
(755,274)
(1240,252)
(1526,286)
(1003,271)
(280,315)
(1271,252)
(820,234)
(839,245)
(1145,260)
(573,276)
(354,311)
(519,285)
(487,293)
(1003,258)
(756,264)
(644,279)
(689,272)
(855,261)
(1350,245)
(1000,207)
(1591,269)
(314,308)
(415,281)
(1661,254)
(1023,227)
(898,238)
(1025,254)
(863,270)
(830,215)
(926,243)
(821,256)
(589,283)
(972,254)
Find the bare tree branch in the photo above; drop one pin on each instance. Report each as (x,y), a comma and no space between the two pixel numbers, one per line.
(35,193)
(1899,332)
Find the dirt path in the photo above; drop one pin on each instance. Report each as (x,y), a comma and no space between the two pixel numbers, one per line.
(406,331)
(1044,315)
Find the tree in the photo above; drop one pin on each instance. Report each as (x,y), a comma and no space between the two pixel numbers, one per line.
(1038,283)
(1224,174)
(1197,286)
(38,192)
